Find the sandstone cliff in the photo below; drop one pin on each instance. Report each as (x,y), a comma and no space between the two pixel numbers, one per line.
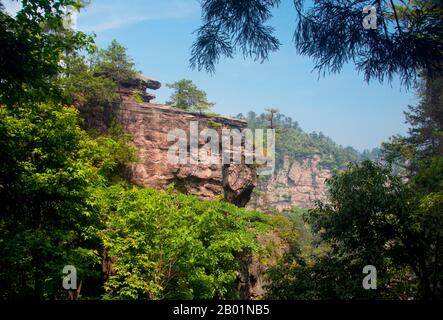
(297,183)
(149,125)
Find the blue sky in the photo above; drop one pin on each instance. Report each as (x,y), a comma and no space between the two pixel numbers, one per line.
(158,35)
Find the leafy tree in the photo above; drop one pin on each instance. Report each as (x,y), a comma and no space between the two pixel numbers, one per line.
(49,167)
(271,113)
(371,218)
(426,119)
(407,40)
(82,86)
(418,159)
(292,142)
(374,154)
(167,245)
(63,200)
(91,83)
(187,96)
(375,215)
(114,63)
(33,43)
(408,154)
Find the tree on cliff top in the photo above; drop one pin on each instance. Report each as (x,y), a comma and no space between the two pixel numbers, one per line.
(407,39)
(93,79)
(90,82)
(32,46)
(270,116)
(188,97)
(114,63)
(408,154)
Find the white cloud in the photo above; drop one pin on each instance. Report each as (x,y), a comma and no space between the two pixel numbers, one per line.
(100,16)
(110,24)
(12,7)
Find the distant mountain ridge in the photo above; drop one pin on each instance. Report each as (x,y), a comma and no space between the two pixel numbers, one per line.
(304,161)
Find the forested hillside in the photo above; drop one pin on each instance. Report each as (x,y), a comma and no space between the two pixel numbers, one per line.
(65,201)
(297,144)
(303,163)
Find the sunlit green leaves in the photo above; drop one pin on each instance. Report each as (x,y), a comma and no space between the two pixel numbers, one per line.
(50,167)
(168,245)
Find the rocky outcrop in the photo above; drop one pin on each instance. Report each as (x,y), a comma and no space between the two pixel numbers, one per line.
(296,184)
(139,85)
(251,282)
(149,125)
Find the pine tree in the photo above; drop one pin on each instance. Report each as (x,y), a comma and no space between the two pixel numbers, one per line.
(187,96)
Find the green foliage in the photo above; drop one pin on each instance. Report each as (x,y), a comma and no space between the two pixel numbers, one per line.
(114,63)
(294,143)
(407,40)
(371,218)
(230,24)
(62,195)
(290,277)
(92,80)
(33,44)
(49,167)
(137,97)
(425,139)
(214,124)
(426,119)
(81,84)
(90,83)
(389,216)
(171,246)
(212,114)
(187,96)
(64,201)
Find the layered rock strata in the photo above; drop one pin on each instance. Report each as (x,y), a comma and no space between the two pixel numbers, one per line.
(149,125)
(296,184)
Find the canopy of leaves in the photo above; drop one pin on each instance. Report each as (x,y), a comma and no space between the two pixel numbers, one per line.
(173,246)
(49,167)
(82,86)
(90,82)
(370,218)
(114,63)
(389,216)
(187,96)
(33,43)
(408,39)
(64,202)
(294,143)
(407,154)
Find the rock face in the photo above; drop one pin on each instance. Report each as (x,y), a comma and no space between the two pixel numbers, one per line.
(299,184)
(251,282)
(149,125)
(295,184)
(139,85)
